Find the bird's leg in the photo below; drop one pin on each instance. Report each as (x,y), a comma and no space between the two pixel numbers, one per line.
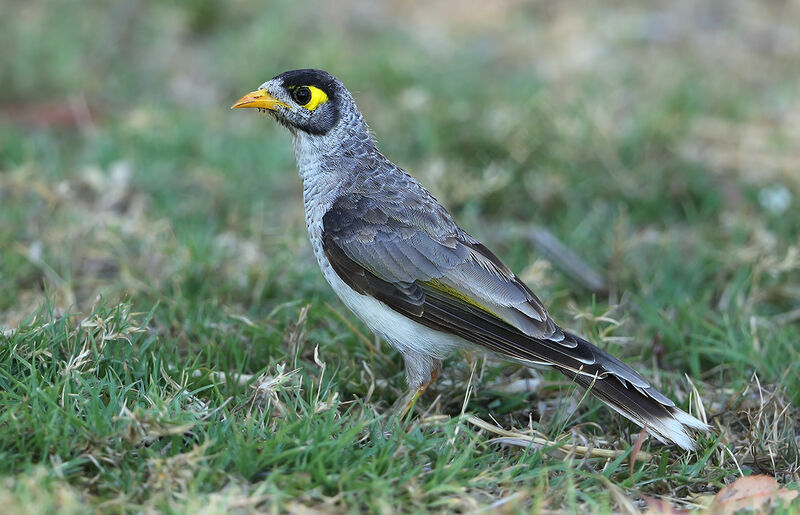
(407,401)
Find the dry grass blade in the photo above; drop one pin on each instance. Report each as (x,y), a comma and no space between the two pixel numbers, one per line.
(265,389)
(540,440)
(697,401)
(295,334)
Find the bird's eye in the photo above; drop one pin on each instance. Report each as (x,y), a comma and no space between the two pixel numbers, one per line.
(301,95)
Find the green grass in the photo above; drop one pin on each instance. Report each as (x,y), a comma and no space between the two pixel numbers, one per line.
(167,341)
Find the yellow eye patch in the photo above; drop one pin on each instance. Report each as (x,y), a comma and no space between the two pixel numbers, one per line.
(317,97)
(309,97)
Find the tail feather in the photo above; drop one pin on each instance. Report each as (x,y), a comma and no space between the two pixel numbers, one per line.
(611,382)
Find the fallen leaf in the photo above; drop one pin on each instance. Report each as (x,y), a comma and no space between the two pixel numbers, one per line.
(751,492)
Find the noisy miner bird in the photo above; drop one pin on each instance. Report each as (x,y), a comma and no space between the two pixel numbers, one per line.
(397,259)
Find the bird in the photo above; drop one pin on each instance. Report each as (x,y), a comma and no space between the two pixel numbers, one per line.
(398,260)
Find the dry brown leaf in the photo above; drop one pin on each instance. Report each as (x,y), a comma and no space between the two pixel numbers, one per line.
(751,492)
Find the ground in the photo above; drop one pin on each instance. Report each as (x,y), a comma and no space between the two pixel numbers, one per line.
(167,341)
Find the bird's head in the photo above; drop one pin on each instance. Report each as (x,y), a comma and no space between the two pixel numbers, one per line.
(307,101)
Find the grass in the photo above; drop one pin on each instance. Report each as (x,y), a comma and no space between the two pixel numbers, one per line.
(167,340)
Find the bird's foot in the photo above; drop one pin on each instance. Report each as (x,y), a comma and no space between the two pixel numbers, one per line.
(406,403)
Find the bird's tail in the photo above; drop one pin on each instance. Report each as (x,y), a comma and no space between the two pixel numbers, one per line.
(608,378)
(629,394)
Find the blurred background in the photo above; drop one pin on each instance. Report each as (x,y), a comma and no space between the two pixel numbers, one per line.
(658,141)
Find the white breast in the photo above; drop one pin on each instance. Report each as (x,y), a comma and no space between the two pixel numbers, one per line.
(404,334)
(320,188)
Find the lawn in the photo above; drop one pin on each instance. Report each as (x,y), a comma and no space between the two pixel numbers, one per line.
(167,341)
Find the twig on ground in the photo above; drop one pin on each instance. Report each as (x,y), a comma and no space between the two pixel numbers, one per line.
(539,440)
(567,260)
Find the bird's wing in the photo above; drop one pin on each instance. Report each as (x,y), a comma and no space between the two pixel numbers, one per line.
(416,253)
(420,264)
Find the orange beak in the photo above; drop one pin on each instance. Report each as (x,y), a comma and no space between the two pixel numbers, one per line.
(259,98)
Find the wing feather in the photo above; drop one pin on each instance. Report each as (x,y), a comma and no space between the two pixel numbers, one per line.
(396,244)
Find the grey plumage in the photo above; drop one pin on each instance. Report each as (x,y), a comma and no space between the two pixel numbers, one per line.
(396,257)
(406,238)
